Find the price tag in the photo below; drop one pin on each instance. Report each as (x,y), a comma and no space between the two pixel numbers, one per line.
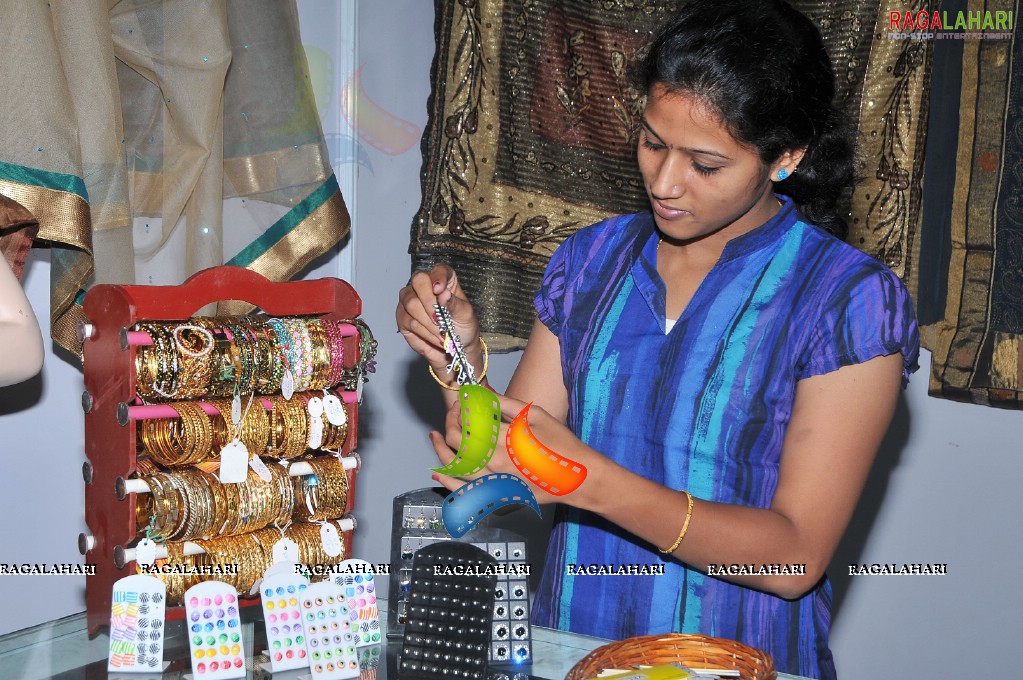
(331,540)
(315,432)
(236,410)
(260,468)
(315,407)
(234,463)
(285,550)
(145,552)
(335,410)
(287,384)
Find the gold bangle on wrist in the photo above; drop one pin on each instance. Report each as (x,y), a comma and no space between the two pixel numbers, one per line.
(685,526)
(479,380)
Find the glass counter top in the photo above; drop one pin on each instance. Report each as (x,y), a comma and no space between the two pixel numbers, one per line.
(62,649)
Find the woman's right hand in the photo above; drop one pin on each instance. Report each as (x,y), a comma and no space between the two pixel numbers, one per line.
(415,316)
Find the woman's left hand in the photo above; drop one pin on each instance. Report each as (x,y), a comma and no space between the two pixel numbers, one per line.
(545,429)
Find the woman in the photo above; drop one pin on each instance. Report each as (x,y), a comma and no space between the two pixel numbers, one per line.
(728,367)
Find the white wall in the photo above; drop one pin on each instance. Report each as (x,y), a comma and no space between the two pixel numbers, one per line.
(946,488)
(949,494)
(42,493)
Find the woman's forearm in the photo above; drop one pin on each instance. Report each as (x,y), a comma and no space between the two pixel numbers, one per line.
(718,534)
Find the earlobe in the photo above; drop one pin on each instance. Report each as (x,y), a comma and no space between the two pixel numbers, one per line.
(787,164)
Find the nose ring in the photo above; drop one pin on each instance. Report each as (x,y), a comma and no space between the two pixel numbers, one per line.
(674,189)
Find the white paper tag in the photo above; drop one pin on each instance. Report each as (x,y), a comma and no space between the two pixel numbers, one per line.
(315,407)
(260,468)
(285,568)
(236,410)
(287,384)
(285,550)
(335,410)
(331,541)
(234,463)
(315,432)
(145,552)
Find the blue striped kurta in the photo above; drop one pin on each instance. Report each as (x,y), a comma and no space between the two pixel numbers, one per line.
(703,408)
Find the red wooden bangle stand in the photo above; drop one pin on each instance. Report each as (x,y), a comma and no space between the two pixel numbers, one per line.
(110,380)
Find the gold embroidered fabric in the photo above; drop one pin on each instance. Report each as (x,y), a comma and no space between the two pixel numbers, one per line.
(18,228)
(528,140)
(976,346)
(529,136)
(892,130)
(130,127)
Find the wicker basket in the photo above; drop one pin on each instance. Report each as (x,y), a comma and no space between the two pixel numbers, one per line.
(696,651)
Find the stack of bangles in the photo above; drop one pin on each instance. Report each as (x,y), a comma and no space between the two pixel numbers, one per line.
(479,378)
(242,560)
(309,538)
(323,495)
(237,560)
(195,436)
(262,384)
(247,355)
(192,504)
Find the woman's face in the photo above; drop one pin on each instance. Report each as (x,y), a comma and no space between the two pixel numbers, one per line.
(700,180)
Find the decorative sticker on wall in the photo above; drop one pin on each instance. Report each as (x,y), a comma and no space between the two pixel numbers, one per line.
(379,128)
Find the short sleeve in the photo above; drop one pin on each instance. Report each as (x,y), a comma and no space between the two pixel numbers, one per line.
(550,298)
(870,316)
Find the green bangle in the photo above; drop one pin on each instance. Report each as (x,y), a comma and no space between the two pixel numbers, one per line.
(481,422)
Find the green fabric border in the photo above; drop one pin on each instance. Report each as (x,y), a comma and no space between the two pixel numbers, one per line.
(41,178)
(283,226)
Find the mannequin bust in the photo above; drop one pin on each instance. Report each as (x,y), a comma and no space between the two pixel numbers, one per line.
(21,343)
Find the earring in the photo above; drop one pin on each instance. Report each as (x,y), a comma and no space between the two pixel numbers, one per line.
(782,174)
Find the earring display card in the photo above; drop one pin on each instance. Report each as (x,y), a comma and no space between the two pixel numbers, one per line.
(416,522)
(330,633)
(136,625)
(214,631)
(285,635)
(369,661)
(358,585)
(512,639)
(450,613)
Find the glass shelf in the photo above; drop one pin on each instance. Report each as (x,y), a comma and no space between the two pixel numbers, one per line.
(62,650)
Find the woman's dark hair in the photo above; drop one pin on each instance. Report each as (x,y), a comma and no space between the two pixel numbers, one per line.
(763,67)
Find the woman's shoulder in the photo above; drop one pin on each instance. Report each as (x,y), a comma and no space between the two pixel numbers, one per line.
(831,259)
(857,305)
(586,262)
